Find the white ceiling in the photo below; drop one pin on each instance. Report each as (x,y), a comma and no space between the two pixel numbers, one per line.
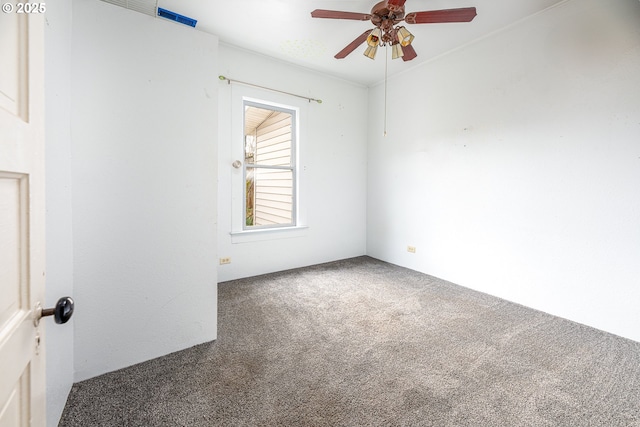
(284,29)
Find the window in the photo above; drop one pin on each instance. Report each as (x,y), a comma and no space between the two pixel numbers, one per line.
(269,167)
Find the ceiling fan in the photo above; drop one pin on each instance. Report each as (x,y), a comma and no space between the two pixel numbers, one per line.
(385,16)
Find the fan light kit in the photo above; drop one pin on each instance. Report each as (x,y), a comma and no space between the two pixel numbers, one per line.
(386,16)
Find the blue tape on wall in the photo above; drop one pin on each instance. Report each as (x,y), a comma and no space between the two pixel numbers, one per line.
(177,17)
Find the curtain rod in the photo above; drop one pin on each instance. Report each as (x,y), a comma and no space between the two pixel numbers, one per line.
(319,101)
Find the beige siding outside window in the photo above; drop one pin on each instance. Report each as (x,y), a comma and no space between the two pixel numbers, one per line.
(269,166)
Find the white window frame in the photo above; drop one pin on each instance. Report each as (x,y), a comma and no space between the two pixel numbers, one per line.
(293,167)
(239,233)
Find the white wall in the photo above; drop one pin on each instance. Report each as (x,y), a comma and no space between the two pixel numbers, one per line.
(514,167)
(144,128)
(332,166)
(59,339)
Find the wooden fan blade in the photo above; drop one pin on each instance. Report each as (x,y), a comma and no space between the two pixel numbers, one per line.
(464,14)
(353,45)
(409,53)
(336,14)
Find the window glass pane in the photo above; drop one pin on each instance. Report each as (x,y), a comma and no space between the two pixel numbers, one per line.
(268,137)
(269,196)
(269,166)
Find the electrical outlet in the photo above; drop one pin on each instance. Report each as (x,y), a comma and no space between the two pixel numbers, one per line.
(411,249)
(225,260)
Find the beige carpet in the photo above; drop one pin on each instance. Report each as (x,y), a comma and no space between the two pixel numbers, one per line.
(361,342)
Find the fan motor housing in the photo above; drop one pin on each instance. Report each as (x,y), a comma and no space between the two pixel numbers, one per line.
(384,12)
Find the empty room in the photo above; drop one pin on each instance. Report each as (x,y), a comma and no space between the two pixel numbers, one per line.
(320,213)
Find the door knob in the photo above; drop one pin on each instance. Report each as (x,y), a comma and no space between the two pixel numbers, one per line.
(61,313)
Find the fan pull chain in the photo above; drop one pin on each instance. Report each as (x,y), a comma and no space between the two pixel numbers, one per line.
(386,60)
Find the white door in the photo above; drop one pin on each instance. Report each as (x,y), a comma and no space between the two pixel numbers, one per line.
(22,263)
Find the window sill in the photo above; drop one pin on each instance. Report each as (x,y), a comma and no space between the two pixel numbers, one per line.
(246,236)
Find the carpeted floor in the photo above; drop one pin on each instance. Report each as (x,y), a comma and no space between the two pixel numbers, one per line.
(361,342)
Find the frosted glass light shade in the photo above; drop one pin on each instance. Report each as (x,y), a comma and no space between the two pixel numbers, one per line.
(396,51)
(404,36)
(373,39)
(371,51)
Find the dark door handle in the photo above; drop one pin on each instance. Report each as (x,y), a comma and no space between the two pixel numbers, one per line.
(62,312)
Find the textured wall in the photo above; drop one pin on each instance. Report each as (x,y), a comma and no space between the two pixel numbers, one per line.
(144,130)
(59,339)
(514,165)
(331,160)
